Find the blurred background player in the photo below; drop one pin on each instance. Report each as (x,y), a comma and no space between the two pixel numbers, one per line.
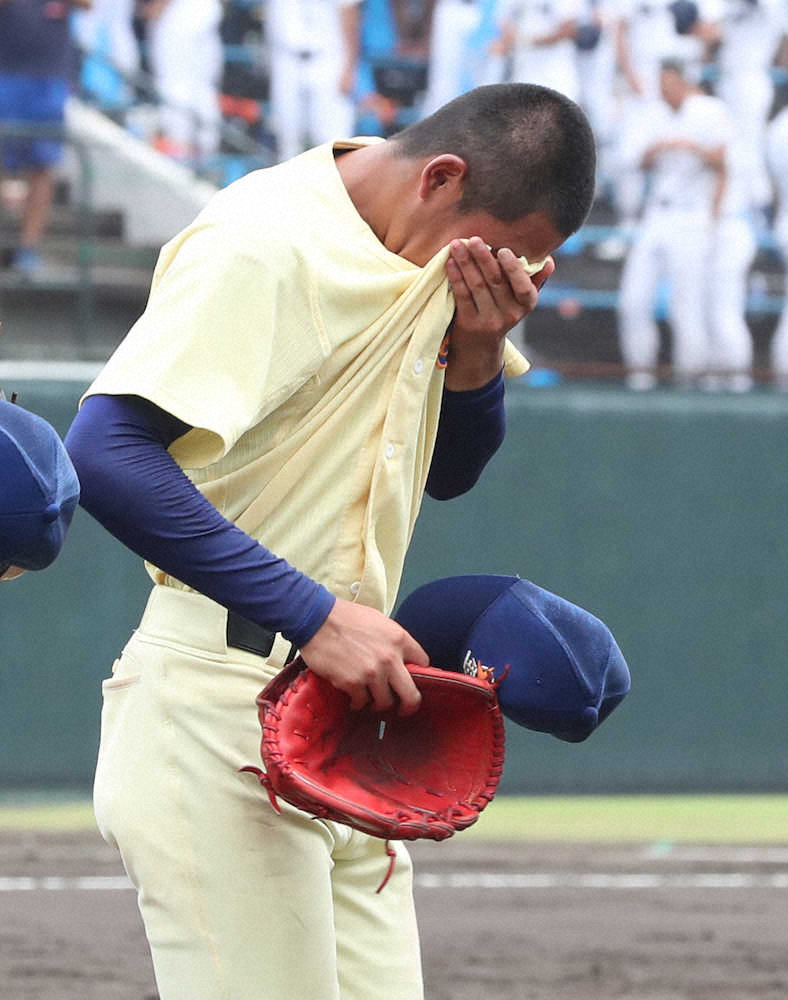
(108,30)
(186,58)
(595,40)
(647,33)
(748,34)
(39,491)
(724,281)
(538,36)
(314,48)
(460,56)
(686,159)
(36,67)
(393,72)
(777,158)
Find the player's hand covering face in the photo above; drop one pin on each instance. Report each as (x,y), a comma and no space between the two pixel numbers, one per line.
(493,292)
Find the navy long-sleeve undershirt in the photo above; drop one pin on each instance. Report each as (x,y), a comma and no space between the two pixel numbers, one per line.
(133,486)
(471,429)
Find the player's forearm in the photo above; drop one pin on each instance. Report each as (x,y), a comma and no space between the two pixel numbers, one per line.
(507,38)
(713,158)
(471,429)
(720,188)
(624,57)
(350,21)
(566,29)
(137,491)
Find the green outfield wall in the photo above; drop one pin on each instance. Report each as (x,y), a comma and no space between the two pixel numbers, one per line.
(663,513)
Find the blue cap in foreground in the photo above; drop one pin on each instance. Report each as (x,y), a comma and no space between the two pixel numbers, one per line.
(39,489)
(566,672)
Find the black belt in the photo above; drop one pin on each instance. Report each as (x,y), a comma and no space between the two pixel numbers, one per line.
(246,635)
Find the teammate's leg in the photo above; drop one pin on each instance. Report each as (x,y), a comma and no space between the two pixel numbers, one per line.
(287,102)
(687,250)
(749,95)
(638,331)
(732,254)
(778,351)
(331,113)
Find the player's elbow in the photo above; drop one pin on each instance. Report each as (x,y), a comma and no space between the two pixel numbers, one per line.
(443,490)
(82,452)
(86,443)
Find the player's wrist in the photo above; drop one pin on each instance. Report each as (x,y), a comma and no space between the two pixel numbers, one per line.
(469,369)
(314,619)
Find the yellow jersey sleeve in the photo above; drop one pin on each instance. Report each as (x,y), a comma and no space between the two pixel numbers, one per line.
(227,335)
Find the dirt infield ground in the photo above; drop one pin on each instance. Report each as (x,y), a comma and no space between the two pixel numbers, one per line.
(506,921)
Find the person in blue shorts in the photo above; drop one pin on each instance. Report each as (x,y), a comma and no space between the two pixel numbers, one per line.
(35,71)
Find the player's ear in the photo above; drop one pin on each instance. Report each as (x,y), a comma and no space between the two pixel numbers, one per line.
(443,176)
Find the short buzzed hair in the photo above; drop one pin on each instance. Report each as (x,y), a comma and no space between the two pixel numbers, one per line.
(528,149)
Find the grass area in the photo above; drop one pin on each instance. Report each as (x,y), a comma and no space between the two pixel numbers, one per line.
(700,818)
(48,817)
(647,818)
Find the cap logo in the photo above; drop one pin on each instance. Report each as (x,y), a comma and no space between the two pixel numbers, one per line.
(474,667)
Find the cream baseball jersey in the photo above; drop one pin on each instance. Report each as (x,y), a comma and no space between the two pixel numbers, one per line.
(303,354)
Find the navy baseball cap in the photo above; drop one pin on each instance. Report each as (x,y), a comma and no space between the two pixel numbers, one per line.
(566,673)
(39,489)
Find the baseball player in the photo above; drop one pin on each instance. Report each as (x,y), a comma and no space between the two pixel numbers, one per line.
(39,491)
(647,34)
(749,33)
(732,252)
(110,23)
(324,342)
(595,41)
(686,156)
(314,48)
(459,59)
(186,58)
(539,34)
(777,159)
(35,77)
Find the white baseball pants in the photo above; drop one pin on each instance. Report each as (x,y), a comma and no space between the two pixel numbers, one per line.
(307,106)
(733,249)
(238,902)
(749,96)
(674,244)
(186,59)
(779,344)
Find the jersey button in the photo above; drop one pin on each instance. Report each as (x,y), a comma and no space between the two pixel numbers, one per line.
(418,366)
(355,587)
(389,450)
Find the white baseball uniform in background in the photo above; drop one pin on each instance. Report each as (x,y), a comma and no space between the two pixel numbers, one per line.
(731,254)
(651,37)
(111,22)
(673,242)
(596,70)
(307,56)
(553,65)
(453,24)
(777,158)
(751,33)
(186,59)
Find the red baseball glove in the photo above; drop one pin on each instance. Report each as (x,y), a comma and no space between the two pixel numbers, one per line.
(395,777)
